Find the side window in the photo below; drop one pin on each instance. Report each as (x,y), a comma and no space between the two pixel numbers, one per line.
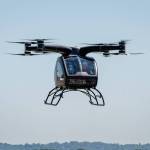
(59,71)
(88,66)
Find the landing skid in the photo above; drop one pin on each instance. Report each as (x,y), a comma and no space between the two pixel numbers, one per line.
(56,94)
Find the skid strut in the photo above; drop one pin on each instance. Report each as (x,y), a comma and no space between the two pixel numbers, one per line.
(56,94)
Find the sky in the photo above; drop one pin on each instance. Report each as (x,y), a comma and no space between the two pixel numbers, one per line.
(123,80)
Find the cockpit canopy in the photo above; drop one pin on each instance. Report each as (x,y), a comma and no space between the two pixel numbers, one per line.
(77,66)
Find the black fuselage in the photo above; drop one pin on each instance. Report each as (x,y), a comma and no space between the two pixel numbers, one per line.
(74,72)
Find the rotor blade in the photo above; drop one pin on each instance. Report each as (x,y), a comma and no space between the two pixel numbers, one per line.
(23,54)
(39,39)
(48,42)
(136,53)
(127,40)
(16,42)
(100,44)
(22,42)
(122,53)
(16,54)
(93,44)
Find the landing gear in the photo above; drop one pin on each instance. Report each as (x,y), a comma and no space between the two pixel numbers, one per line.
(56,94)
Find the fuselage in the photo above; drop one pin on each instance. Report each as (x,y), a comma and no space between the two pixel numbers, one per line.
(76,72)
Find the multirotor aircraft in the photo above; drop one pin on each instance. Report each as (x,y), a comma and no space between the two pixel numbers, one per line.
(74,70)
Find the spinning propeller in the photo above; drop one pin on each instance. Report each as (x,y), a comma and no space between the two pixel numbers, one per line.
(26,53)
(98,44)
(26,43)
(39,45)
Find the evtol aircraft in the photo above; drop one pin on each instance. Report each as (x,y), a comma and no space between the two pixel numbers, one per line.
(74,70)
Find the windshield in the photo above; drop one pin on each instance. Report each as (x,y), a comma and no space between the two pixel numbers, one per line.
(72,65)
(88,66)
(80,66)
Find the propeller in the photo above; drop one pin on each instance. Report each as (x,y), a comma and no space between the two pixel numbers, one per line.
(138,53)
(39,49)
(100,44)
(116,43)
(39,39)
(93,44)
(31,41)
(26,43)
(118,53)
(23,54)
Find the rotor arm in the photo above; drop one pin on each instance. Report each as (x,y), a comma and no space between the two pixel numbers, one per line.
(104,48)
(50,49)
(57,49)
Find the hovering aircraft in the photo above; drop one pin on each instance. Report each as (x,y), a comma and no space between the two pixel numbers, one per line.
(74,70)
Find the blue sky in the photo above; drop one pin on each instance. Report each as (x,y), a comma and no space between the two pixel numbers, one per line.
(124,80)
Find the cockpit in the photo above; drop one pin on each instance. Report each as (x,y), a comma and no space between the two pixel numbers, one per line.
(77,66)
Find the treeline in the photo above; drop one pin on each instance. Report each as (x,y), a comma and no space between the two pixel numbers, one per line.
(75,146)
